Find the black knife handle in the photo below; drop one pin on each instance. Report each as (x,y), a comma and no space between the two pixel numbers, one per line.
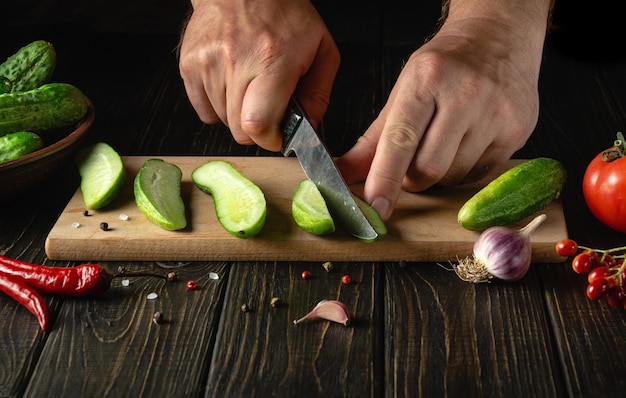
(294,115)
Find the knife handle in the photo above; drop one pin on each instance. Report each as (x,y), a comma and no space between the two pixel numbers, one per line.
(294,115)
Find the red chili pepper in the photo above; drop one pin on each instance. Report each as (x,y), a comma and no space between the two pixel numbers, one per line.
(84,280)
(27,296)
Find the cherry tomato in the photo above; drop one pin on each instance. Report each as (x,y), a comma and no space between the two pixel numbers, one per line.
(566,247)
(598,289)
(607,260)
(582,263)
(598,273)
(604,189)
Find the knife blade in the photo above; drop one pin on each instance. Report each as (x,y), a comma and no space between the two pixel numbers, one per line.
(300,137)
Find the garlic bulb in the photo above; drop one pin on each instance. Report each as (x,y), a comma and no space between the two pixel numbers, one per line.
(500,252)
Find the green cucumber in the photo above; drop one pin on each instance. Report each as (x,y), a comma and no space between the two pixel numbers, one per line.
(157,189)
(240,205)
(18,144)
(50,106)
(5,85)
(518,193)
(30,67)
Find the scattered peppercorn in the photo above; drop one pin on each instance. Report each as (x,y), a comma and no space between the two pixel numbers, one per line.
(346,279)
(171,276)
(86,213)
(328,266)
(191,284)
(306,275)
(157,317)
(244,307)
(104,226)
(276,302)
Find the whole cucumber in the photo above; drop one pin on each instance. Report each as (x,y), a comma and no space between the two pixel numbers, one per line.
(5,85)
(517,193)
(30,67)
(18,144)
(50,106)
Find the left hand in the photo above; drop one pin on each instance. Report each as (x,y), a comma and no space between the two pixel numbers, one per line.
(463,103)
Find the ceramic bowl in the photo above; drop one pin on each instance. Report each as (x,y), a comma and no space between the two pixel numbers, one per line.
(20,174)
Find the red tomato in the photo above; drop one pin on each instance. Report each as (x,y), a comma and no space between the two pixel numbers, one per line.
(604,188)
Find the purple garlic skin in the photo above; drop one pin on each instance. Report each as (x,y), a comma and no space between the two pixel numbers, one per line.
(506,253)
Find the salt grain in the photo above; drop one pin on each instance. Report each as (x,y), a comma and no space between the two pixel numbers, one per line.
(125,282)
(124,217)
(214,276)
(152,296)
(75,224)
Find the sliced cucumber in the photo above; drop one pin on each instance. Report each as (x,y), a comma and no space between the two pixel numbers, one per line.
(373,217)
(309,209)
(102,174)
(158,195)
(240,204)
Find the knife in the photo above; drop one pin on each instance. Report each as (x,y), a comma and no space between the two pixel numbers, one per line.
(300,137)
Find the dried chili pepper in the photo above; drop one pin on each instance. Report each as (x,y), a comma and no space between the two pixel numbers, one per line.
(26,296)
(84,280)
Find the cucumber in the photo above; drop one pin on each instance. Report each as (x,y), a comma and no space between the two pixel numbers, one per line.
(374,219)
(517,193)
(16,145)
(48,107)
(158,196)
(5,85)
(240,205)
(30,67)
(102,174)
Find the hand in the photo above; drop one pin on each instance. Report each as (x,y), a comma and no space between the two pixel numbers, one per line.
(241,61)
(463,103)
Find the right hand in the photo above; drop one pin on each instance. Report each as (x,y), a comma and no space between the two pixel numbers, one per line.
(241,62)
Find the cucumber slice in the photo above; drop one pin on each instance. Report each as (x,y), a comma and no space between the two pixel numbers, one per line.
(373,217)
(240,205)
(16,145)
(102,174)
(157,194)
(309,209)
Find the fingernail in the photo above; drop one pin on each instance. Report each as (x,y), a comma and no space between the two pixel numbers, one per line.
(382,206)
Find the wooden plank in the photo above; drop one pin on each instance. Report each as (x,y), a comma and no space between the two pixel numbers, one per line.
(589,335)
(423,228)
(267,355)
(110,346)
(447,337)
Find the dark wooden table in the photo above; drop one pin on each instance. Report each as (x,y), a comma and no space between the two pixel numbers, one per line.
(418,329)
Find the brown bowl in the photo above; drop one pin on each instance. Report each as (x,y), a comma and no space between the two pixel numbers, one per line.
(20,174)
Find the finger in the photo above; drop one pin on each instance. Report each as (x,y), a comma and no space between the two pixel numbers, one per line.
(445,154)
(315,86)
(199,100)
(235,94)
(407,120)
(264,105)
(355,164)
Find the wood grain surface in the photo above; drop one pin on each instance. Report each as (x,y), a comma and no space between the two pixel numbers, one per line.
(423,227)
(417,331)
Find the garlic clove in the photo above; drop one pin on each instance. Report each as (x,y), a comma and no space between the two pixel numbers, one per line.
(330,310)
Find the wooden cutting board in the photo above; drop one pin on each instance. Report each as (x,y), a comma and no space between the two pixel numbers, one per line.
(423,226)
